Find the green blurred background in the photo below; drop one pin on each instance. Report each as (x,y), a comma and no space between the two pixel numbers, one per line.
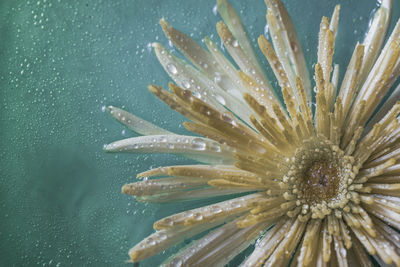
(61,63)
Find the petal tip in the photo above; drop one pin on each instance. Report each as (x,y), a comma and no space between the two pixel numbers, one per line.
(156,45)
(134,255)
(164,24)
(110,109)
(109,147)
(126,189)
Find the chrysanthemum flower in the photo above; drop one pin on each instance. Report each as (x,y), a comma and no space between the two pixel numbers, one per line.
(319,185)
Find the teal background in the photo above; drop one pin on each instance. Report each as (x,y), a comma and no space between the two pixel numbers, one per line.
(61,63)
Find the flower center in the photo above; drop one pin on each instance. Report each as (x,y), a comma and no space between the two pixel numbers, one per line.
(319,178)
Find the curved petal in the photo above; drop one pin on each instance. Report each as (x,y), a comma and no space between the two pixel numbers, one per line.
(135,123)
(202,149)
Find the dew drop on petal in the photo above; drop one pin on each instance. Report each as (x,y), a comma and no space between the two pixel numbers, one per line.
(216,209)
(198,216)
(149,47)
(235,43)
(215,10)
(217,77)
(163,236)
(186,84)
(197,95)
(151,241)
(215,147)
(198,144)
(220,99)
(171,68)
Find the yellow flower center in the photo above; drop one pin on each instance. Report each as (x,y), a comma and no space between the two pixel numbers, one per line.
(320,181)
(319,177)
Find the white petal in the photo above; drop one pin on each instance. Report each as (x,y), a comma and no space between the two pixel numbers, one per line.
(368,89)
(213,64)
(202,149)
(206,192)
(374,38)
(200,57)
(244,62)
(191,79)
(287,45)
(161,240)
(266,246)
(386,106)
(232,20)
(218,247)
(229,78)
(211,212)
(164,185)
(134,123)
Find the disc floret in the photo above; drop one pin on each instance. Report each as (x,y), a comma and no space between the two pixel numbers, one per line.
(319,177)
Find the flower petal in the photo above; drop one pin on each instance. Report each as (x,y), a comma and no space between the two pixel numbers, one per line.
(189,78)
(309,244)
(162,186)
(245,63)
(202,149)
(374,38)
(266,246)
(377,83)
(281,255)
(287,45)
(134,123)
(232,20)
(200,57)
(161,240)
(219,246)
(226,209)
(189,195)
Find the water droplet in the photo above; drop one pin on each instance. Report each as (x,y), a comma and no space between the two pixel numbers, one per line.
(197,94)
(236,204)
(216,209)
(162,236)
(266,30)
(198,216)
(186,84)
(215,147)
(171,68)
(235,43)
(215,10)
(150,241)
(149,47)
(217,77)
(176,262)
(227,118)
(198,144)
(220,99)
